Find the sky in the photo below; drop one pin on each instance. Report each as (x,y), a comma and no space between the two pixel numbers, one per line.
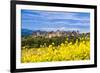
(55,20)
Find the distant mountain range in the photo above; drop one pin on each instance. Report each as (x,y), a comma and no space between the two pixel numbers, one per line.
(26,32)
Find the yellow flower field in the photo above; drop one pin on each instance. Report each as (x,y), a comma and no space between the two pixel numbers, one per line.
(64,52)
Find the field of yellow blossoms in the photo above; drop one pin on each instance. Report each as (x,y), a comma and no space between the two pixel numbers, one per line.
(64,52)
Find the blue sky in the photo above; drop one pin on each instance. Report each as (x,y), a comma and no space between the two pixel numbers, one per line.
(52,20)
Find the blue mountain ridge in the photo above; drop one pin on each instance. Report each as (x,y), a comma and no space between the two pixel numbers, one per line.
(26,32)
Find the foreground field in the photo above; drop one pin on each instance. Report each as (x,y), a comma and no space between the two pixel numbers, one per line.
(64,52)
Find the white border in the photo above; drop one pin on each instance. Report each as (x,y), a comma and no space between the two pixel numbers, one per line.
(20,65)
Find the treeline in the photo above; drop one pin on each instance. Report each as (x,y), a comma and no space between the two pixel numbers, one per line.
(36,42)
